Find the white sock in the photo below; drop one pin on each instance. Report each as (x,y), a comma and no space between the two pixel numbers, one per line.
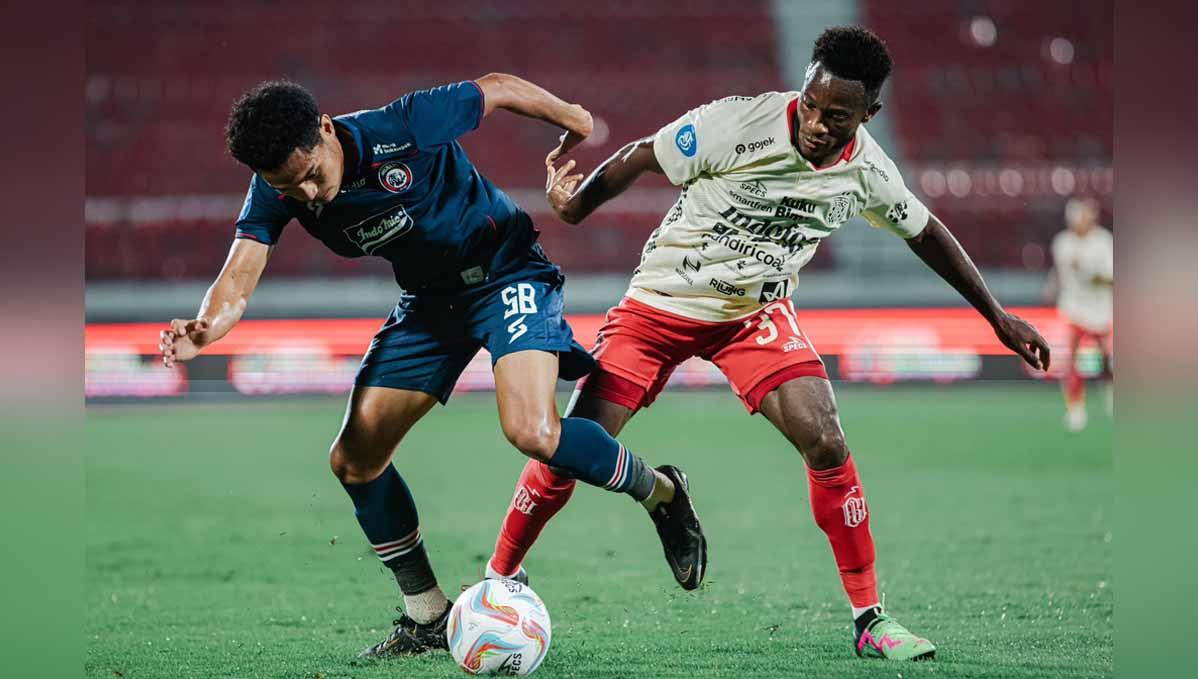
(426,606)
(492,574)
(858,611)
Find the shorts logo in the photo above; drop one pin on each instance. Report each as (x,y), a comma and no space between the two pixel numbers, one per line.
(523,501)
(686,140)
(395,177)
(854,509)
(387,229)
(793,344)
(774,291)
(519,299)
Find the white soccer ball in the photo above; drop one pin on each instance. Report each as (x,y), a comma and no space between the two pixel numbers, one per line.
(498,627)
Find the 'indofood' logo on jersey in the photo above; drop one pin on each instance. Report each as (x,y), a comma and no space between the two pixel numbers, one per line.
(395,177)
(371,238)
(784,232)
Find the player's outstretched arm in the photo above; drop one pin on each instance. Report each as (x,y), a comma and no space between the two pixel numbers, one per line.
(515,94)
(607,181)
(938,249)
(222,307)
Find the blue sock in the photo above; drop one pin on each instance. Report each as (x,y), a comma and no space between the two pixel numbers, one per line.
(387,514)
(591,455)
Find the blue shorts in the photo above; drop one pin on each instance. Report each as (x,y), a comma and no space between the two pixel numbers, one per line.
(428,340)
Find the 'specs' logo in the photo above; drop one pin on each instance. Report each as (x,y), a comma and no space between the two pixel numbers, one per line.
(686,140)
(395,177)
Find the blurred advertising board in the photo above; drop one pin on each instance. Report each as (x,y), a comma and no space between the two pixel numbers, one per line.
(312,356)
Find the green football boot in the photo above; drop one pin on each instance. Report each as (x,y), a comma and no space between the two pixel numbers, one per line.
(884,638)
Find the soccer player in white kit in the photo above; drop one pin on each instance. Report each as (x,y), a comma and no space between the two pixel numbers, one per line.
(763,180)
(1083,258)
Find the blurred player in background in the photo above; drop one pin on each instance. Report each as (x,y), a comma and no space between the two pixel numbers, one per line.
(1083,280)
(394,182)
(764,179)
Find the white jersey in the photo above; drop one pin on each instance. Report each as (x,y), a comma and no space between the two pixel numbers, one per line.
(752,210)
(1078,259)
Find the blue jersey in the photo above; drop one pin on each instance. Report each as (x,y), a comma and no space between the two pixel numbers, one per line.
(413,198)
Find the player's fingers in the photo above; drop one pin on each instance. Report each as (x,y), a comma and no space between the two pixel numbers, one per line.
(179,327)
(561,172)
(1045,353)
(1028,355)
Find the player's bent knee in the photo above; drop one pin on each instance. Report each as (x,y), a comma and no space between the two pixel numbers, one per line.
(536,440)
(351,468)
(826,450)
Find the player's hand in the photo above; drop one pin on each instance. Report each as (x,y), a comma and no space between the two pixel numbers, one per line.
(1021,337)
(572,137)
(560,187)
(182,341)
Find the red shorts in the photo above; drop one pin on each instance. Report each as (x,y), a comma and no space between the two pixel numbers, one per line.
(639,346)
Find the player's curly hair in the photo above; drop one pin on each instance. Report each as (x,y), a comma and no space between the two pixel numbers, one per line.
(854,53)
(270,121)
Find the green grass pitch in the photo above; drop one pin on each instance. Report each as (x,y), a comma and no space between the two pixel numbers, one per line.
(219,544)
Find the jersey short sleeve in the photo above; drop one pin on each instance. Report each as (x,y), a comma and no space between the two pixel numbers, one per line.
(889,203)
(442,114)
(703,140)
(263,215)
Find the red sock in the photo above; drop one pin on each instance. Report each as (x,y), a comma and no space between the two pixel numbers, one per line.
(539,495)
(838,503)
(1075,384)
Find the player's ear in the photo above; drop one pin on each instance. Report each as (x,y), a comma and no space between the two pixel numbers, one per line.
(326,124)
(872,111)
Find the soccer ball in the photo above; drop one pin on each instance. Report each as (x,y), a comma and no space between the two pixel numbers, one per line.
(498,627)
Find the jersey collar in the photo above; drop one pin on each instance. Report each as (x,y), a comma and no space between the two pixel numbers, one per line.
(359,146)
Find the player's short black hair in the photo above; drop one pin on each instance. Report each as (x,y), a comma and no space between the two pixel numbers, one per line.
(270,121)
(854,53)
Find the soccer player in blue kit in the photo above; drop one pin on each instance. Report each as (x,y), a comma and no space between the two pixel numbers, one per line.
(393,182)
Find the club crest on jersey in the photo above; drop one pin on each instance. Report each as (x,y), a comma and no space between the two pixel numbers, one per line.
(395,177)
(841,209)
(687,141)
